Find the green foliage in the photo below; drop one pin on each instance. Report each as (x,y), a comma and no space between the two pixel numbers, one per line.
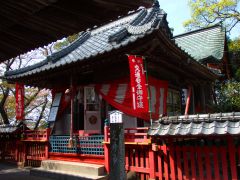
(234,45)
(228,96)
(207,12)
(72,38)
(237,75)
(43,125)
(66,42)
(60,45)
(9,104)
(234,52)
(228,93)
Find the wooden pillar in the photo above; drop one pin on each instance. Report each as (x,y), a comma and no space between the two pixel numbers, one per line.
(16,150)
(72,110)
(203,98)
(70,145)
(152,165)
(193,100)
(3,146)
(188,100)
(232,157)
(48,130)
(106,148)
(166,163)
(24,154)
(172,160)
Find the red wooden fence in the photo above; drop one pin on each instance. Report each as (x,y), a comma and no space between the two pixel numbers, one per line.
(30,150)
(36,147)
(151,158)
(182,159)
(8,150)
(197,162)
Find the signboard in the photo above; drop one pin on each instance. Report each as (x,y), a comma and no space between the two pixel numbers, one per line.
(138,84)
(116,117)
(55,106)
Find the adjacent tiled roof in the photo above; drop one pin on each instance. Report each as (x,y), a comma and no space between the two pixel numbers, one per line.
(100,40)
(203,43)
(8,129)
(197,125)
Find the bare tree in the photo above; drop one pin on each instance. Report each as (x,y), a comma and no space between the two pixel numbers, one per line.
(35,100)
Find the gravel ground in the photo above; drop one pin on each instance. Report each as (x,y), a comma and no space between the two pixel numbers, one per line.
(12,172)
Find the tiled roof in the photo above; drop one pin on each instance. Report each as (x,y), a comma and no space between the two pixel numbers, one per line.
(104,39)
(7,128)
(203,43)
(197,125)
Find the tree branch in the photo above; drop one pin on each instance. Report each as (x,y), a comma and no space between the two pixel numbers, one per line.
(42,112)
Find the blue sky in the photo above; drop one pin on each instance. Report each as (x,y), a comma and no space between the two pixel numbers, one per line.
(178,11)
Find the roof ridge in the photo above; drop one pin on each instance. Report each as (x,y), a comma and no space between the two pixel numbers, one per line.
(122,33)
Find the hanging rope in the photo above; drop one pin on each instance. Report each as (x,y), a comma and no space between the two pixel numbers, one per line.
(148,90)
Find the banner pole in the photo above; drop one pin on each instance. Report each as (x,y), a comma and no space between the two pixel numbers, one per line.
(148,91)
(70,145)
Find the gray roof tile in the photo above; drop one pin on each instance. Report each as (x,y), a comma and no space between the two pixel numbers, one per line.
(106,38)
(98,41)
(204,43)
(8,128)
(214,124)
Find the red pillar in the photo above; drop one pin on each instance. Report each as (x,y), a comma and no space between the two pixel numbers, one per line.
(164,148)
(24,153)
(152,166)
(172,160)
(106,149)
(188,100)
(16,151)
(48,131)
(232,157)
(70,145)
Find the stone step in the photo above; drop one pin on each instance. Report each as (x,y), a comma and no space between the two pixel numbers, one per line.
(64,175)
(73,167)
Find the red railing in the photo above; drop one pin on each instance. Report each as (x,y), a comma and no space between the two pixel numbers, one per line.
(36,146)
(132,135)
(36,135)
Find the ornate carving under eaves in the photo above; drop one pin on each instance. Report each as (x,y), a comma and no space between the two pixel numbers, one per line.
(146,24)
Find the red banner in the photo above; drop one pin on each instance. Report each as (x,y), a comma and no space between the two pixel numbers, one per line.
(19,101)
(138,84)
